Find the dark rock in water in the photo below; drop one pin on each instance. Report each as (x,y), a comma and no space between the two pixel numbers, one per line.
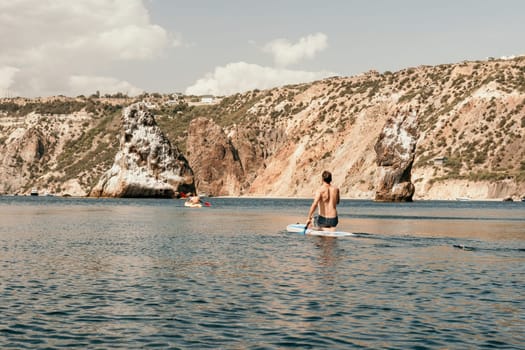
(225,161)
(395,150)
(146,164)
(214,158)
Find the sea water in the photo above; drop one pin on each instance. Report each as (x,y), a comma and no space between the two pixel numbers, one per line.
(133,274)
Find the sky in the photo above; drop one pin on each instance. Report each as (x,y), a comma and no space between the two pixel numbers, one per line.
(52,47)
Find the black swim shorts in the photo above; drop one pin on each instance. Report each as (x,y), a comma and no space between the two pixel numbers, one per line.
(321,221)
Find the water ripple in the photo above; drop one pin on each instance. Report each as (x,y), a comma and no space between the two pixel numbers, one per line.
(136,276)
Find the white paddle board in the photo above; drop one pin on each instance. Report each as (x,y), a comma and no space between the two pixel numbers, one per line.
(299,228)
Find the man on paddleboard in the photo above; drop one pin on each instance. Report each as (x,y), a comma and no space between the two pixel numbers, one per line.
(327,199)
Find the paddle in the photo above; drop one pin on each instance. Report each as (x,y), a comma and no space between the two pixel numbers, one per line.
(206,204)
(306,227)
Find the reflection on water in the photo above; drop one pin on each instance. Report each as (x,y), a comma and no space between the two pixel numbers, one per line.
(83,273)
(329,252)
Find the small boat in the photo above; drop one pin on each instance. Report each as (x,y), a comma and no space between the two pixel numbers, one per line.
(34,192)
(190,204)
(462,199)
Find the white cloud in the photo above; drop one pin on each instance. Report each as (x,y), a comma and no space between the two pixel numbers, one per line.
(241,77)
(7,75)
(51,41)
(80,84)
(284,53)
(177,40)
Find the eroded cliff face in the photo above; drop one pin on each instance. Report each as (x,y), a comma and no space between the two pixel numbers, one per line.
(395,150)
(224,164)
(277,142)
(146,164)
(470,129)
(44,150)
(214,159)
(26,150)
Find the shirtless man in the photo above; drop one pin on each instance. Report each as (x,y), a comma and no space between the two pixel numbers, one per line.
(327,198)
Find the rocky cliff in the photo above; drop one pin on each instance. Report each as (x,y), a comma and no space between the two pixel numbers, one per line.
(225,164)
(213,157)
(469,138)
(146,164)
(470,129)
(395,151)
(55,145)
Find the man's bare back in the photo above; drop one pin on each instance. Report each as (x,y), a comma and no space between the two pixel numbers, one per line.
(326,198)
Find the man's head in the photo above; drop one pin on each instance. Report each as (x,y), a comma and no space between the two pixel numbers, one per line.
(327,177)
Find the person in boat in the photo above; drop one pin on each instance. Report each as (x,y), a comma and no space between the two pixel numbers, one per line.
(326,199)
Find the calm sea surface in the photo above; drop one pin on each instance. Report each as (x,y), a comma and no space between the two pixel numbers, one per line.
(133,274)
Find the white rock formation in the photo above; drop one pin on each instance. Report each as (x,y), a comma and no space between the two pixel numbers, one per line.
(146,165)
(395,151)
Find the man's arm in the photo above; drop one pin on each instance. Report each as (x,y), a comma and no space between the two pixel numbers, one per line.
(314,205)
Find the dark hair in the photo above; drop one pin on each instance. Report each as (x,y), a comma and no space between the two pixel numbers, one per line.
(327,177)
